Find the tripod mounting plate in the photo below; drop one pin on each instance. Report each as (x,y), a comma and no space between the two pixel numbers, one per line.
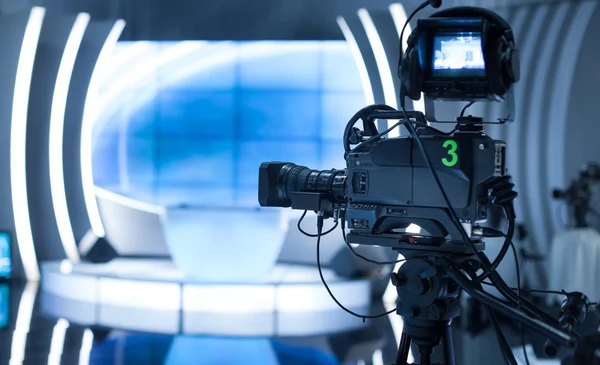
(403,242)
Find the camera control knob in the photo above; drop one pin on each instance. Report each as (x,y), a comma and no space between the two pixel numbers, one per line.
(398,279)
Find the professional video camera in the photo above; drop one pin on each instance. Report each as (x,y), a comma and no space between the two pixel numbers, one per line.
(579,194)
(442,182)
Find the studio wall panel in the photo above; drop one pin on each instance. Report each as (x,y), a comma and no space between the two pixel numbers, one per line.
(173,133)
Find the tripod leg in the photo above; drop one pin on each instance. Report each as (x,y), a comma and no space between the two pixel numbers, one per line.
(402,357)
(448,346)
(425,356)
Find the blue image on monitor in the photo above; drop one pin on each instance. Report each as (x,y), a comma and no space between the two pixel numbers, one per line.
(5,255)
(4,305)
(458,55)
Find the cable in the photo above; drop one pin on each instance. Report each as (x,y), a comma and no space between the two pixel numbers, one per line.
(507,291)
(313,235)
(361,256)
(504,347)
(380,134)
(462,113)
(518,270)
(504,196)
(419,119)
(529,307)
(364,317)
(532,290)
(368,110)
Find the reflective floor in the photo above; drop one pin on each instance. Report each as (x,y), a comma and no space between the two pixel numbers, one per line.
(29,336)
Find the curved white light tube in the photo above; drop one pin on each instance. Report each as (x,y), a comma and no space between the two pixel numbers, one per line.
(383,66)
(57,343)
(126,55)
(399,17)
(358,59)
(378,358)
(89,116)
(57,125)
(18,140)
(87,342)
(22,326)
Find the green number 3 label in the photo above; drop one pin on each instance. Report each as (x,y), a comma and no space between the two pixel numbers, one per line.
(452,147)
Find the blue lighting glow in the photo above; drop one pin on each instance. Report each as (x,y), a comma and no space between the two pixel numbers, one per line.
(4,305)
(208,350)
(5,255)
(192,129)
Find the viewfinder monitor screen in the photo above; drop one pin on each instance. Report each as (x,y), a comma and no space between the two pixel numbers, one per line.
(5,255)
(458,55)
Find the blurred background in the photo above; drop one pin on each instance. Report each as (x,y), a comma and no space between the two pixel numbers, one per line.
(131,136)
(191,126)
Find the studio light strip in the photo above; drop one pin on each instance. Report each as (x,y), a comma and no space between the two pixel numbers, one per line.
(358,59)
(89,116)
(57,124)
(87,342)
(383,66)
(57,343)
(23,323)
(18,148)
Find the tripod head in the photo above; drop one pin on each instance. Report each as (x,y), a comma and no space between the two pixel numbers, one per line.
(428,302)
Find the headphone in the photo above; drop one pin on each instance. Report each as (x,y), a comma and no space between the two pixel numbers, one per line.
(506,59)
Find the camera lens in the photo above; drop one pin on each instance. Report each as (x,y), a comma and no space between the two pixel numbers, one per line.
(278,181)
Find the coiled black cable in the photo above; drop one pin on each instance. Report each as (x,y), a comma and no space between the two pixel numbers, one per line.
(502,191)
(503,195)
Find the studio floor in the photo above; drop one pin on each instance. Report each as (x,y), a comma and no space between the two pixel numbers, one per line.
(30,335)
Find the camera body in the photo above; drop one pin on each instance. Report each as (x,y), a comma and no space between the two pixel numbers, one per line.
(462,53)
(389,185)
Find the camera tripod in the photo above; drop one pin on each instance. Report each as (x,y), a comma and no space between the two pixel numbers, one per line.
(428,286)
(428,303)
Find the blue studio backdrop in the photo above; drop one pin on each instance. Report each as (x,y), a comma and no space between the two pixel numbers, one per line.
(188,123)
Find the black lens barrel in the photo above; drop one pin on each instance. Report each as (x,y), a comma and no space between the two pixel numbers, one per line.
(279,180)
